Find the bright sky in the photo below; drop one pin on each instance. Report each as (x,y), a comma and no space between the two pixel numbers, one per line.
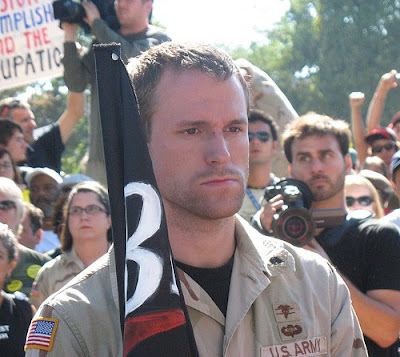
(229,22)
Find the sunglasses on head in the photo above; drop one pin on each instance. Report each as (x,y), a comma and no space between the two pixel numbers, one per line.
(362,200)
(6,108)
(7,205)
(387,147)
(261,135)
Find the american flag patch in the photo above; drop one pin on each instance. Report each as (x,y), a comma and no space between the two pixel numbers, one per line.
(41,334)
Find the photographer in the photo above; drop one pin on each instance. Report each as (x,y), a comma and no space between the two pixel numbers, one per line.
(366,252)
(135,35)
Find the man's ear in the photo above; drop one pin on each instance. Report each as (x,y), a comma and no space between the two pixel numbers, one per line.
(37,237)
(348,163)
(290,168)
(11,266)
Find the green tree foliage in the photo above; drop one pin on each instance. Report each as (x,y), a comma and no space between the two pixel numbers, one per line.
(323,50)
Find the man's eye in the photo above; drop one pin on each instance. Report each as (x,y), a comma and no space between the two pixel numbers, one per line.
(234,129)
(191,131)
(304,158)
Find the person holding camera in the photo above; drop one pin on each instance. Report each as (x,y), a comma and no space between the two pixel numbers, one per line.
(263,145)
(135,35)
(365,251)
(246,294)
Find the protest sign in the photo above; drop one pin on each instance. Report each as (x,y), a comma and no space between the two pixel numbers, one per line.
(31,42)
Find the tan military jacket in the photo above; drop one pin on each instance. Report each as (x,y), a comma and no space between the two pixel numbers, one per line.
(53,275)
(283,301)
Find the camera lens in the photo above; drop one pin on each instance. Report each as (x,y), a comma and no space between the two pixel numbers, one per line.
(295,227)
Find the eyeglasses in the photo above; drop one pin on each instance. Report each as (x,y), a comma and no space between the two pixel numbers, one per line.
(261,135)
(7,205)
(362,200)
(5,166)
(387,147)
(89,210)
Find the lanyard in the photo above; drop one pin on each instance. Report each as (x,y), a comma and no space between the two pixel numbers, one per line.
(253,199)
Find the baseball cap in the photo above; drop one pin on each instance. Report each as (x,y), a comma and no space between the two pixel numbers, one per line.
(380,133)
(395,163)
(42,171)
(381,183)
(73,179)
(395,119)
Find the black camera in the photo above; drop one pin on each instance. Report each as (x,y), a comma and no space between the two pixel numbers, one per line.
(294,222)
(73,12)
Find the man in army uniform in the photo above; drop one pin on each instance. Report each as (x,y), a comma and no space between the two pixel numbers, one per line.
(247,294)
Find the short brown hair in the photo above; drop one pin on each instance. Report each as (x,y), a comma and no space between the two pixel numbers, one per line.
(146,70)
(315,124)
(87,186)
(36,216)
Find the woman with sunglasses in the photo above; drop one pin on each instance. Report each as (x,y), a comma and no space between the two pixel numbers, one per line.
(85,238)
(362,195)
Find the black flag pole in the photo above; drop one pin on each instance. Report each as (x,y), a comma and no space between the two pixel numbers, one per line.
(154,318)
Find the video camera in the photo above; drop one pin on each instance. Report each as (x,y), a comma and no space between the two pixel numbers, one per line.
(294,223)
(73,12)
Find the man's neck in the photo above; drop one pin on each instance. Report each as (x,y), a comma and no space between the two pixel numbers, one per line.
(202,243)
(259,176)
(337,201)
(132,29)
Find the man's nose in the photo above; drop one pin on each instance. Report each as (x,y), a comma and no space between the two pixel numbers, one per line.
(217,151)
(316,165)
(33,124)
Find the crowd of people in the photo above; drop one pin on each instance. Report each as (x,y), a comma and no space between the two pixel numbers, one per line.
(247,294)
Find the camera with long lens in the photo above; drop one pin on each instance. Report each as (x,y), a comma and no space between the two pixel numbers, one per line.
(73,12)
(293,222)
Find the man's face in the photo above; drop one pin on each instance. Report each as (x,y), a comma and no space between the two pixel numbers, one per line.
(44,193)
(25,118)
(8,213)
(261,151)
(384,148)
(132,12)
(317,161)
(199,144)
(27,237)
(17,146)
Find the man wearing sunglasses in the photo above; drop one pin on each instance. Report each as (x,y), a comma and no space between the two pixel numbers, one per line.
(366,252)
(263,146)
(382,143)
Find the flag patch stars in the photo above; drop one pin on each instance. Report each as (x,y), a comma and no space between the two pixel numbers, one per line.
(41,334)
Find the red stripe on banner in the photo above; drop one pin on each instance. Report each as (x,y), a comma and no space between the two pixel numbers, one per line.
(141,327)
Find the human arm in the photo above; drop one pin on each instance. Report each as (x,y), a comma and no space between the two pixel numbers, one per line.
(71,115)
(356,100)
(378,310)
(77,63)
(377,104)
(64,341)
(39,291)
(346,336)
(262,219)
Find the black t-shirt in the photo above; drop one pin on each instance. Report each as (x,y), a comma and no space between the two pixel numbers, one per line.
(215,281)
(367,252)
(15,317)
(46,151)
